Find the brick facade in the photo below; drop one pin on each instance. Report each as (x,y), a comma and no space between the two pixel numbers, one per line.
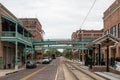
(87,34)
(34,26)
(111,21)
(16,43)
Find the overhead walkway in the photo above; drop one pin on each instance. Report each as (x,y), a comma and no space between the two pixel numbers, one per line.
(60,42)
(56,44)
(61,47)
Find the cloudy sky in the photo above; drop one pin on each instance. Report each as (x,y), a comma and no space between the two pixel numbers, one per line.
(59,18)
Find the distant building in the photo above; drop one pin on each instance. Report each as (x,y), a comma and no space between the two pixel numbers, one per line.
(87,34)
(34,26)
(74,36)
(84,35)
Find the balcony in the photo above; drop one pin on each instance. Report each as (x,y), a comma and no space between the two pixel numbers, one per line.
(11,36)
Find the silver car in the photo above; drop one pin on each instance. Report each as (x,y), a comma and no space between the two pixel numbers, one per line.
(45,60)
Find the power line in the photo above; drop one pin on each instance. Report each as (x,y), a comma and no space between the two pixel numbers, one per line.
(88,14)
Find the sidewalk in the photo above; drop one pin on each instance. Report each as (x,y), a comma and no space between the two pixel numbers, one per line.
(108,75)
(6,72)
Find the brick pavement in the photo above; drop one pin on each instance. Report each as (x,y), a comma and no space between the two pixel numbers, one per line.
(9,71)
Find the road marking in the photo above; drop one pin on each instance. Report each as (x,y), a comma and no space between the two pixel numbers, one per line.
(32,74)
(57,73)
(57,70)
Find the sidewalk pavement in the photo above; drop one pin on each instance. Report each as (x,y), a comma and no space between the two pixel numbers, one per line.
(108,75)
(9,71)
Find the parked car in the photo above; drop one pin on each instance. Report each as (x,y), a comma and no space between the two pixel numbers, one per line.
(31,64)
(53,56)
(50,59)
(45,60)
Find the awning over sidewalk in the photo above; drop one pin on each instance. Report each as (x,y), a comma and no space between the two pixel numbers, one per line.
(104,41)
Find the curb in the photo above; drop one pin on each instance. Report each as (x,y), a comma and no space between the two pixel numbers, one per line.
(11,72)
(102,76)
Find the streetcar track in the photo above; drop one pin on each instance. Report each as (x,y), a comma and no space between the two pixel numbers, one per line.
(71,72)
(76,68)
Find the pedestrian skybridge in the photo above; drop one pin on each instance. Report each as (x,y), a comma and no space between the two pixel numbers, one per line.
(60,44)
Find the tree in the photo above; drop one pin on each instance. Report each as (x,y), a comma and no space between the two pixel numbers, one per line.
(68,54)
(52,51)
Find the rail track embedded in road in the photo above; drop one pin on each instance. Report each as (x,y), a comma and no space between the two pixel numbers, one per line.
(80,74)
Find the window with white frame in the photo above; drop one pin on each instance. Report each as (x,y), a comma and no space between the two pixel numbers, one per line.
(114,31)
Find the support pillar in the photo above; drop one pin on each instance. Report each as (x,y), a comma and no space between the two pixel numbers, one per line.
(107,59)
(16,47)
(0,26)
(99,53)
(79,54)
(25,53)
(16,55)
(33,47)
(91,59)
(23,33)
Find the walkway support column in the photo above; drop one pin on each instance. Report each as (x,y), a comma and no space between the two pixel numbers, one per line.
(107,58)
(16,56)
(107,67)
(99,53)
(91,52)
(16,48)
(25,53)
(79,54)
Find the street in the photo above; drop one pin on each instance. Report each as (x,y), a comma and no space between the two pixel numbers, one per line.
(42,72)
(59,69)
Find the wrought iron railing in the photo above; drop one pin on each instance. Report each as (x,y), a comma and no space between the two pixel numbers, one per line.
(8,34)
(13,34)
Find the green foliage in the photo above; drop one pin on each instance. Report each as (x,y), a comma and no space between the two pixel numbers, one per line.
(52,51)
(68,54)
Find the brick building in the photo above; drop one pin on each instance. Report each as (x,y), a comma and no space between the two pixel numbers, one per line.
(87,34)
(111,21)
(34,26)
(16,39)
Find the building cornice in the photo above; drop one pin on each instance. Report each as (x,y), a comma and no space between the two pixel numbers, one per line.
(112,11)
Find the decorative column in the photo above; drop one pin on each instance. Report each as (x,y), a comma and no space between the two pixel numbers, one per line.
(25,53)
(99,53)
(79,54)
(107,58)
(1,46)
(0,26)
(107,66)
(16,48)
(91,52)
(16,56)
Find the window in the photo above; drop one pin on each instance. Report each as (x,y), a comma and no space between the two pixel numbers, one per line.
(114,31)
(106,32)
(119,30)
(111,31)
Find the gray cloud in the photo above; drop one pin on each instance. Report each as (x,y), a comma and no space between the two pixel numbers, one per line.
(60,18)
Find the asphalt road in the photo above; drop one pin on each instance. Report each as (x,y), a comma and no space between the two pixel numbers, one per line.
(42,72)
